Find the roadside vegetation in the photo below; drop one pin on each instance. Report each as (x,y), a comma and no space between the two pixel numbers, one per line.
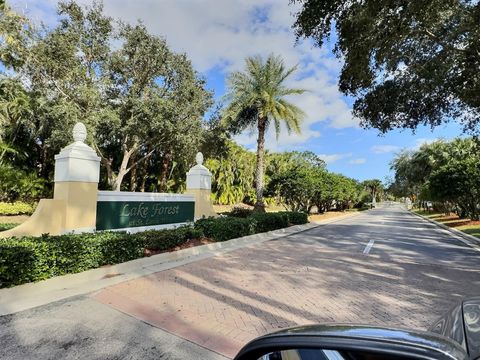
(145,109)
(442,179)
(471,227)
(30,259)
(443,174)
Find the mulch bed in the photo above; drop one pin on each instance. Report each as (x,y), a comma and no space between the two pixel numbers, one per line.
(188,244)
(462,222)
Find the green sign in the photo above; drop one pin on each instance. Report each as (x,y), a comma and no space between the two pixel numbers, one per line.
(128,214)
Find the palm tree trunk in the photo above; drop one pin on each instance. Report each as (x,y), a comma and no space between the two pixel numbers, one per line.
(259,205)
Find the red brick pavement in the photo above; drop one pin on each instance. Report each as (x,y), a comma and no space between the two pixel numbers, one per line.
(223,302)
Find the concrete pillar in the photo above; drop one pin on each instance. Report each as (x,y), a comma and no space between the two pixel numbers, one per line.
(199,184)
(77,172)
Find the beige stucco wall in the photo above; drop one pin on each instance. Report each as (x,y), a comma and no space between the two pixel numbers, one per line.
(203,203)
(81,204)
(47,219)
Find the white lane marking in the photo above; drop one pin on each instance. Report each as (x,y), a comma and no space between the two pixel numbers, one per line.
(368,247)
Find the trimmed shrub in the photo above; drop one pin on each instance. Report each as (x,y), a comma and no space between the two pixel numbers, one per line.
(241,212)
(270,221)
(7,226)
(118,247)
(225,228)
(166,239)
(16,208)
(23,261)
(296,218)
(30,259)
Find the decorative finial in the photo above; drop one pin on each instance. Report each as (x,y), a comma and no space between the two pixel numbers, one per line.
(79,132)
(199,158)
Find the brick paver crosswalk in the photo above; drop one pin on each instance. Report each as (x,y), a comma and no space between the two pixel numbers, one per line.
(223,302)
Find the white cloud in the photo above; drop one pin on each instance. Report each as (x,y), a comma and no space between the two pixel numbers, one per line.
(220,34)
(382,149)
(358,161)
(331,158)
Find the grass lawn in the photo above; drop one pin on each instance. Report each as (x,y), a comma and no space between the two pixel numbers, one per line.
(466,225)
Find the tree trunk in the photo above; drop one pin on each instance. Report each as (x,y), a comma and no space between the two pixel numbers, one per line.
(122,171)
(133,177)
(162,181)
(260,205)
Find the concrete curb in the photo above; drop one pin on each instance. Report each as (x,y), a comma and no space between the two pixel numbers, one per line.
(470,240)
(31,295)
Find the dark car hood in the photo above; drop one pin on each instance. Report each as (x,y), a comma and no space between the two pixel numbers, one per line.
(462,324)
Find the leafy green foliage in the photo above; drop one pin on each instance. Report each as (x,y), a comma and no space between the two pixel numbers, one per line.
(445,172)
(301,185)
(232,175)
(226,228)
(16,184)
(29,259)
(256,99)
(408,63)
(239,211)
(270,221)
(17,208)
(7,226)
(296,218)
(230,227)
(142,103)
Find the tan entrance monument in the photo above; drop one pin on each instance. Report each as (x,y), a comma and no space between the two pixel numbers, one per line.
(76,198)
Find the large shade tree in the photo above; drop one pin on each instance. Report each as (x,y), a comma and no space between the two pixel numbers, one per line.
(257,99)
(408,63)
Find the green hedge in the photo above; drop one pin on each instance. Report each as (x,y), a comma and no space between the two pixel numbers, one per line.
(30,259)
(225,228)
(296,218)
(16,208)
(7,226)
(230,227)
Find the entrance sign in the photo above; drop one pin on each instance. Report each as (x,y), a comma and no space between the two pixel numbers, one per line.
(78,207)
(129,211)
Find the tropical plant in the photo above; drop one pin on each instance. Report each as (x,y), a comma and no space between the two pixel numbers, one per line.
(256,100)
(374,187)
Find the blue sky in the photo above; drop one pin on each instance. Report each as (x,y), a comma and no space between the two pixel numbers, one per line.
(217,35)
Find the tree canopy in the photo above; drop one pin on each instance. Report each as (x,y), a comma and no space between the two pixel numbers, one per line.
(408,63)
(446,172)
(142,103)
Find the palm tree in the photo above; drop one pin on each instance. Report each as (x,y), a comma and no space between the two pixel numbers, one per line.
(374,187)
(256,99)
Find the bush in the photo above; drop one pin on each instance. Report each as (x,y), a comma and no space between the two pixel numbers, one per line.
(8,226)
(230,227)
(166,239)
(29,259)
(16,208)
(241,212)
(296,218)
(270,221)
(225,228)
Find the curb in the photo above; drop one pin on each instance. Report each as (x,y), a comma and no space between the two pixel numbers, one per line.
(30,295)
(470,240)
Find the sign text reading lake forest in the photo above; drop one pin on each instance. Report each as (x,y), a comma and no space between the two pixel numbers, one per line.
(128,214)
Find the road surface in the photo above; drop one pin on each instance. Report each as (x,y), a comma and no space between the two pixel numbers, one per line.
(384,267)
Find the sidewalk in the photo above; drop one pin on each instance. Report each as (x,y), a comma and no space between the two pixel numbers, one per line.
(31,295)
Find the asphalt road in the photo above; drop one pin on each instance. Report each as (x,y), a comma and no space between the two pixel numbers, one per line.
(385,266)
